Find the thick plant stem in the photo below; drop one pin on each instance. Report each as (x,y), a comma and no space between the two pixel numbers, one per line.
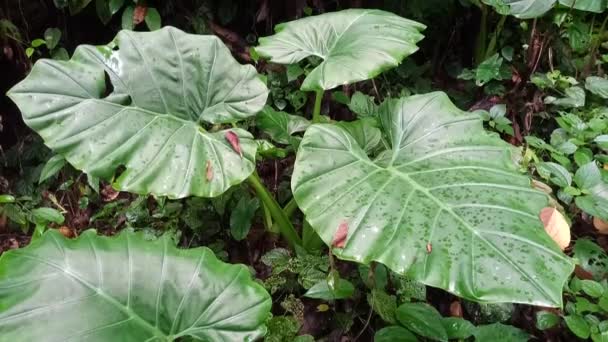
(290,207)
(277,213)
(310,238)
(271,227)
(316,114)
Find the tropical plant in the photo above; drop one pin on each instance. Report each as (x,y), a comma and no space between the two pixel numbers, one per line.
(334,37)
(415,184)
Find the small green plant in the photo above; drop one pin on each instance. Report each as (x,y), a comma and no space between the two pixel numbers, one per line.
(586,310)
(573,159)
(52,36)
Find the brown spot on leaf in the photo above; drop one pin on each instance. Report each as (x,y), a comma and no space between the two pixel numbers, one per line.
(209,171)
(339,240)
(233,139)
(429,248)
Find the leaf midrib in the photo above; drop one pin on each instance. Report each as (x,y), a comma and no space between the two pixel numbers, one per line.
(443,207)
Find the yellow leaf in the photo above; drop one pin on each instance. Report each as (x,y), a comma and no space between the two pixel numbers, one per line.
(322,307)
(601,226)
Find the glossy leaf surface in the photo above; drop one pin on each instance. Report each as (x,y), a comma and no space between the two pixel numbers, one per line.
(523,9)
(125,288)
(445,203)
(354,44)
(422,319)
(394,333)
(138,102)
(597,6)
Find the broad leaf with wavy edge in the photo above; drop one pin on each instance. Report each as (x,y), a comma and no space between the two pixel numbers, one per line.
(355,45)
(445,204)
(125,288)
(523,9)
(138,102)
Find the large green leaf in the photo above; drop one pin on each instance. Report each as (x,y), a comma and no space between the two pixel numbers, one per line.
(597,6)
(125,288)
(355,45)
(139,102)
(523,9)
(446,203)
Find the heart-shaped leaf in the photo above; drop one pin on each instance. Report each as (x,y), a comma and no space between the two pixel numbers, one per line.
(445,203)
(354,44)
(281,126)
(125,288)
(365,133)
(138,102)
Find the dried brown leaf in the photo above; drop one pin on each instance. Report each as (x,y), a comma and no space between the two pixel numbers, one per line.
(556,226)
(108,194)
(600,225)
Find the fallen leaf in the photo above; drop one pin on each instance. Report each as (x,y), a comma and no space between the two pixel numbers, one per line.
(542,186)
(108,194)
(455,309)
(339,240)
(233,139)
(556,226)
(66,231)
(13,243)
(139,14)
(582,273)
(600,225)
(209,171)
(429,248)
(322,307)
